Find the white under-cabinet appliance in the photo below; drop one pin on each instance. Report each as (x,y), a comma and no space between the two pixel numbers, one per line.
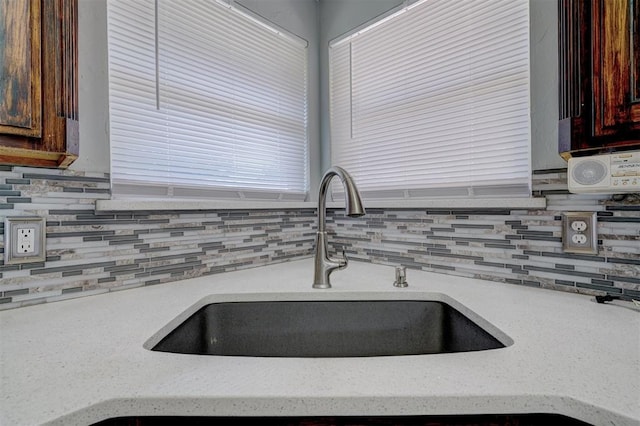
(605,174)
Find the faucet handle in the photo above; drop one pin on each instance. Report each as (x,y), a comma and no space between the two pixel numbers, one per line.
(342,262)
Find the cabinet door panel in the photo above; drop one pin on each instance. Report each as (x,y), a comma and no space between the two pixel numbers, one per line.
(39,82)
(635,72)
(20,72)
(599,64)
(613,66)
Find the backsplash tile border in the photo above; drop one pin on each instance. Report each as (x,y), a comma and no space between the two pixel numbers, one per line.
(91,252)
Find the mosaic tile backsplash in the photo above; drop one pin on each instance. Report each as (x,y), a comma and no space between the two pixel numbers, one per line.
(90,252)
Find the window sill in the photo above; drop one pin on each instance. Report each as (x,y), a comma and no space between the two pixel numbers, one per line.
(455,203)
(159,205)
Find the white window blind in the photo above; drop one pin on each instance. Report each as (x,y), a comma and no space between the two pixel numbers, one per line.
(206,99)
(433,100)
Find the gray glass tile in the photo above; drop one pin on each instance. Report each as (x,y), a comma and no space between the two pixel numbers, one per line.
(572,273)
(572,256)
(623,279)
(65,178)
(607,289)
(443,267)
(500,246)
(563,266)
(78,234)
(634,294)
(453,255)
(484,263)
(119,237)
(154,249)
(119,268)
(602,282)
(30,265)
(9,268)
(471,226)
(98,222)
(89,239)
(624,261)
(19,292)
(635,207)
(72,267)
(619,219)
(124,242)
(95,216)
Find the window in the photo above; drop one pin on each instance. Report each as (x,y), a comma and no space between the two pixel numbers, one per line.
(206,99)
(433,100)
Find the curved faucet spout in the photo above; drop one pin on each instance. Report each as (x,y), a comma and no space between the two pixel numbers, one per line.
(323,264)
(353,202)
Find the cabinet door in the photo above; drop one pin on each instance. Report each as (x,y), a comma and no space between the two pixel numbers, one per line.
(20,95)
(38,82)
(599,63)
(615,67)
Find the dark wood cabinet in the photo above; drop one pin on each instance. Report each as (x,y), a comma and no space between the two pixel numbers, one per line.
(38,82)
(599,62)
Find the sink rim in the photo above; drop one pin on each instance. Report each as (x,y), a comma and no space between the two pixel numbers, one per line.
(327,296)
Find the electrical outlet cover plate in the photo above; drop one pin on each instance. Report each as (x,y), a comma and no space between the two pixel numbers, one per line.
(579,232)
(24,240)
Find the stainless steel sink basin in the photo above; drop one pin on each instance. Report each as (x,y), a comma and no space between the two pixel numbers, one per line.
(321,328)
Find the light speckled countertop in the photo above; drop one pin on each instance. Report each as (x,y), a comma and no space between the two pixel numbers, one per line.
(81,361)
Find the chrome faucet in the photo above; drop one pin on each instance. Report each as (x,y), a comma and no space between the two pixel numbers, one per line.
(324,264)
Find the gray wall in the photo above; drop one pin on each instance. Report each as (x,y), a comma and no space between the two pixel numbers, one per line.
(93,87)
(302,17)
(544,85)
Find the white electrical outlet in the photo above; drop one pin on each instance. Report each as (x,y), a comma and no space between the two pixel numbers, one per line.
(579,232)
(579,225)
(24,240)
(579,239)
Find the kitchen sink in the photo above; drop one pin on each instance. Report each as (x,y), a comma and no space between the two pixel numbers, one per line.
(326,328)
